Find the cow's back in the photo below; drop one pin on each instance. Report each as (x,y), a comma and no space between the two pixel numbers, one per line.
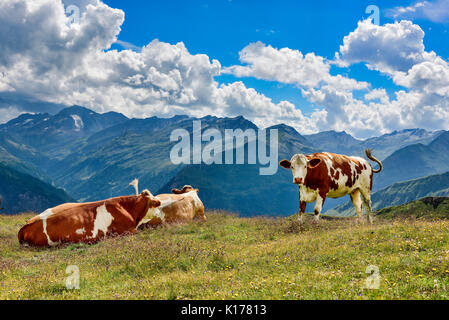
(177,208)
(338,174)
(70,222)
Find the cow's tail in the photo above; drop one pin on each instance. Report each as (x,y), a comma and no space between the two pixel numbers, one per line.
(135,184)
(370,156)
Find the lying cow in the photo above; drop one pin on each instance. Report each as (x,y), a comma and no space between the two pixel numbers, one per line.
(181,207)
(87,222)
(325,174)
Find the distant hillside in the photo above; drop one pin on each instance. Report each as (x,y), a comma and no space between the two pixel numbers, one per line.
(21,192)
(415,161)
(429,207)
(402,192)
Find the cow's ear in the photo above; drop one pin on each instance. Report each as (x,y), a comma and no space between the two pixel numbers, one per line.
(176,191)
(313,162)
(154,203)
(285,164)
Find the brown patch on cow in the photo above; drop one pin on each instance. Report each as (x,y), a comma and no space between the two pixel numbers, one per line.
(314,178)
(302,206)
(35,230)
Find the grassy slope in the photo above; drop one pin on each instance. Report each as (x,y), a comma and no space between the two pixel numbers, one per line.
(237,258)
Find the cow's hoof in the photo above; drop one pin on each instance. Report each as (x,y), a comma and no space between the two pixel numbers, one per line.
(316,220)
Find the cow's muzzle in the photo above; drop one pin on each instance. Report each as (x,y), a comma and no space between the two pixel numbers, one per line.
(298,180)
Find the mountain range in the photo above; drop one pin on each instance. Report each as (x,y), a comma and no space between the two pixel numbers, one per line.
(94,156)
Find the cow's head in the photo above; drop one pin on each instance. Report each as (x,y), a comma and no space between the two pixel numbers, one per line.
(199,210)
(152,201)
(185,189)
(299,164)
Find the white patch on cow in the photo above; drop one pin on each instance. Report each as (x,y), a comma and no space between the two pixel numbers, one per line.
(329,155)
(80,231)
(307,194)
(102,221)
(196,200)
(156,212)
(78,122)
(44,216)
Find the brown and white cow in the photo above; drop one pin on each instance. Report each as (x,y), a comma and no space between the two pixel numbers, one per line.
(181,207)
(321,175)
(87,222)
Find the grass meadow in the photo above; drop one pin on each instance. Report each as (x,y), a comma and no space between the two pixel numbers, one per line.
(229,257)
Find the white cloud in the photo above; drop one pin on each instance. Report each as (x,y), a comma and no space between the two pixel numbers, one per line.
(43,57)
(388,48)
(58,62)
(289,66)
(436,11)
(8,113)
(377,94)
(396,50)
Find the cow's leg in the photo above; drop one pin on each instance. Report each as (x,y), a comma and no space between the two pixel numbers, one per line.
(318,206)
(302,209)
(367,201)
(357,202)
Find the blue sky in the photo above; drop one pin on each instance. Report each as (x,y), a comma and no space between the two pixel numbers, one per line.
(314,65)
(222,28)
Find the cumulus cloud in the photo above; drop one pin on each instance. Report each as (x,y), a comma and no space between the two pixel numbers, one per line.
(289,66)
(45,57)
(388,48)
(396,50)
(436,11)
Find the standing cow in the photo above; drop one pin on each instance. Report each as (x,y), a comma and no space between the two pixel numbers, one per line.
(87,222)
(321,175)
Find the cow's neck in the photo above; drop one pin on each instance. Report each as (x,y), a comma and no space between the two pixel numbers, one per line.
(137,206)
